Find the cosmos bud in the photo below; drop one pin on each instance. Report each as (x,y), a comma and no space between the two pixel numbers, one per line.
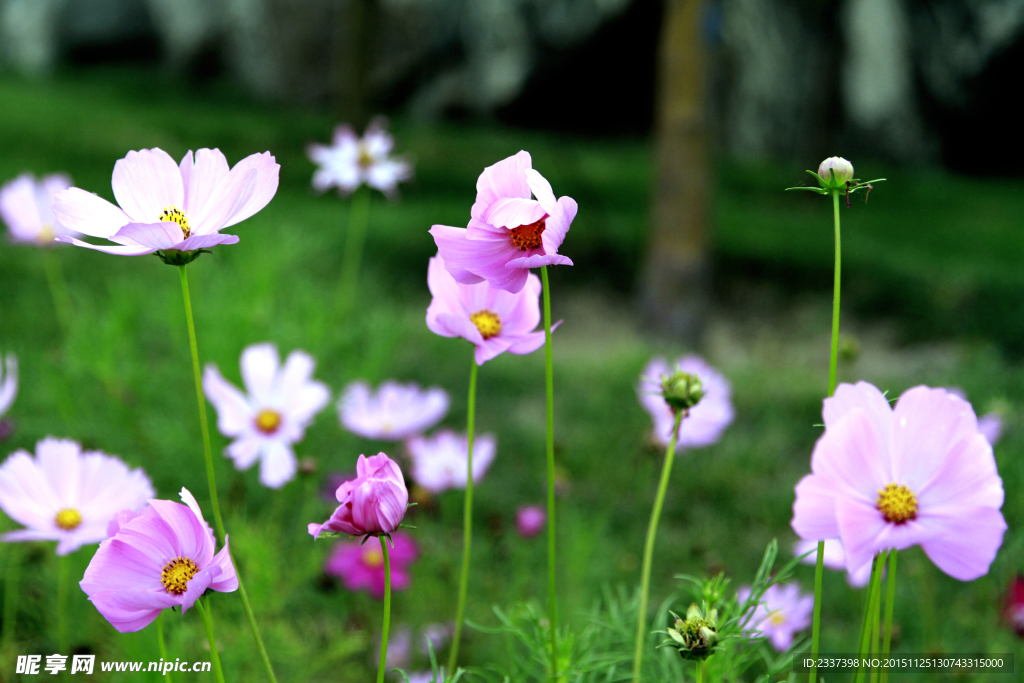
(682,390)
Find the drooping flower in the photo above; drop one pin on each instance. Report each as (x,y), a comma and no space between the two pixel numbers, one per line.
(491,319)
(163,557)
(8,382)
(530,520)
(281,402)
(1014,610)
(394,413)
(439,461)
(509,232)
(704,423)
(66,495)
(372,503)
(26,206)
(783,612)
(890,478)
(835,558)
(361,566)
(167,208)
(351,161)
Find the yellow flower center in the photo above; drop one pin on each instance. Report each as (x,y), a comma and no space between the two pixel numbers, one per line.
(267,421)
(528,236)
(897,503)
(177,573)
(173,214)
(46,234)
(373,558)
(68,519)
(777,618)
(487,322)
(365,160)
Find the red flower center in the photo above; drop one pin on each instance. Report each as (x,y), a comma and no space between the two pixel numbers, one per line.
(527,237)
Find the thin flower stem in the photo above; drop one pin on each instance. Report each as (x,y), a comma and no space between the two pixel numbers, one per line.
(62,603)
(550,385)
(11,594)
(652,530)
(869,610)
(889,602)
(58,290)
(214,656)
(358,217)
(876,616)
(160,642)
(467,520)
(387,611)
(700,672)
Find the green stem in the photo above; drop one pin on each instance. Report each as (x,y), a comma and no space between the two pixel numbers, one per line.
(160,642)
(11,594)
(876,616)
(467,520)
(652,530)
(550,385)
(358,217)
(58,290)
(889,602)
(62,603)
(214,656)
(869,611)
(700,672)
(387,610)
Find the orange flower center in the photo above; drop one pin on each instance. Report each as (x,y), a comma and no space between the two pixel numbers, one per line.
(68,519)
(527,237)
(487,322)
(268,421)
(172,214)
(897,503)
(177,573)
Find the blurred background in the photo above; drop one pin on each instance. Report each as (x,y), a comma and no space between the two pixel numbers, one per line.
(676,125)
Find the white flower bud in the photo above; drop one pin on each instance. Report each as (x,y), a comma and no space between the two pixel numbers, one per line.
(838,165)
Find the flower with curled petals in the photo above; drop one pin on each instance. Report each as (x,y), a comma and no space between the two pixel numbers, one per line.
(783,612)
(371,504)
(163,557)
(360,566)
(351,161)
(66,495)
(394,412)
(705,421)
(920,473)
(26,206)
(509,231)
(170,209)
(281,402)
(439,461)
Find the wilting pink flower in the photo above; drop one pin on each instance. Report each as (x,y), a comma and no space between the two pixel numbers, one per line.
(1014,611)
(168,207)
(350,161)
(889,478)
(281,403)
(396,412)
(705,422)
(530,520)
(491,319)
(163,557)
(782,613)
(835,558)
(361,566)
(65,495)
(372,503)
(509,232)
(8,382)
(26,206)
(439,461)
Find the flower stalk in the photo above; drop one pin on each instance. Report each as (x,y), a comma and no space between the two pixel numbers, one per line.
(550,390)
(467,522)
(160,642)
(890,599)
(387,610)
(208,623)
(358,217)
(11,594)
(62,602)
(58,290)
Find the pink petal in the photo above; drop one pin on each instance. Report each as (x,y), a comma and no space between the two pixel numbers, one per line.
(512,212)
(190,535)
(507,178)
(865,532)
(456,254)
(18,208)
(852,457)
(234,414)
(116,250)
(166,235)
(259,369)
(967,478)
(196,586)
(264,171)
(528,343)
(88,214)
(539,260)
(131,610)
(860,395)
(459,326)
(145,183)
(491,348)
(201,179)
(245,451)
(541,189)
(814,510)
(225,578)
(206,241)
(965,541)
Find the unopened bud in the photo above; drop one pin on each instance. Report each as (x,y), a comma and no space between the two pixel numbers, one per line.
(682,390)
(696,636)
(842,168)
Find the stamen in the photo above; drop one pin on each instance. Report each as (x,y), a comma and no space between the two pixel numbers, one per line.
(268,421)
(365,160)
(527,237)
(177,573)
(173,214)
(68,519)
(487,322)
(777,618)
(897,503)
(373,557)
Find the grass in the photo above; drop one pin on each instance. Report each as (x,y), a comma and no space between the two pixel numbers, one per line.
(921,258)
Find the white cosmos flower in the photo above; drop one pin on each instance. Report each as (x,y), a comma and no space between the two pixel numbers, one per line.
(395,413)
(439,461)
(8,382)
(26,206)
(280,404)
(351,161)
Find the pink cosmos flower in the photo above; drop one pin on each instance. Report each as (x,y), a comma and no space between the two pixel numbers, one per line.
(835,558)
(991,427)
(280,404)
(530,520)
(167,207)
(491,319)
(889,478)
(8,382)
(26,207)
(65,495)
(395,413)
(350,161)
(509,232)
(439,461)
(782,613)
(705,422)
(372,503)
(361,566)
(163,557)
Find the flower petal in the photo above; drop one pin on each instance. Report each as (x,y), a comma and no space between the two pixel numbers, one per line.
(259,369)
(89,214)
(507,178)
(278,465)
(165,235)
(145,183)
(234,414)
(116,250)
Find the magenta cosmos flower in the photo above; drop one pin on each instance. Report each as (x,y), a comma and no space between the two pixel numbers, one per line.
(890,478)
(394,413)
(163,557)
(8,382)
(509,232)
(351,161)
(281,402)
(372,503)
(439,461)
(705,422)
(167,207)
(782,613)
(530,520)
(361,566)
(26,206)
(834,558)
(65,495)
(493,320)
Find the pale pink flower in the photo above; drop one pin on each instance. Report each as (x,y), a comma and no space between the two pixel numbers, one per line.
(890,478)
(26,206)
(493,320)
(281,402)
(782,613)
(439,461)
(842,168)
(834,558)
(360,566)
(705,422)
(8,382)
(509,232)
(351,161)
(163,557)
(372,503)
(530,520)
(66,495)
(991,427)
(394,413)
(167,207)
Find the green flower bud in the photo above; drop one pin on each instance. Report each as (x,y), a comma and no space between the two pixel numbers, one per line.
(696,636)
(682,390)
(839,166)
